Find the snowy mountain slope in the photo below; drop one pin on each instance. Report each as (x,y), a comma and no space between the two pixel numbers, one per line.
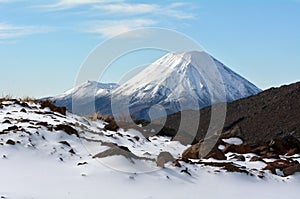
(177,81)
(181,81)
(84,95)
(45,154)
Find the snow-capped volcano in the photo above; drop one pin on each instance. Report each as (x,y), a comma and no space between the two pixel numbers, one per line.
(177,81)
(180,81)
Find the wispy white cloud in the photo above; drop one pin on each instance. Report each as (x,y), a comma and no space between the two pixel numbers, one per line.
(11,1)
(68,4)
(174,10)
(110,28)
(9,31)
(118,16)
(127,8)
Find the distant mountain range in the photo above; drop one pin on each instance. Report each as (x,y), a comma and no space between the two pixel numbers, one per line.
(176,82)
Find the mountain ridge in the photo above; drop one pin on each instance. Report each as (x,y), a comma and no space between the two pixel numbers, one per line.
(177,81)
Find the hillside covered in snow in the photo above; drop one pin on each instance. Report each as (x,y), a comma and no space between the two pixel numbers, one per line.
(48,152)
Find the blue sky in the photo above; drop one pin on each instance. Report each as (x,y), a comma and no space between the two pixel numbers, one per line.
(43,43)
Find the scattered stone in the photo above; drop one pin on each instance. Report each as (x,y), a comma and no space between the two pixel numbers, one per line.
(81,163)
(131,140)
(192,152)
(176,163)
(291,170)
(137,138)
(72,151)
(52,107)
(216,154)
(66,128)
(186,170)
(24,120)
(256,159)
(119,134)
(283,145)
(163,158)
(11,128)
(23,110)
(24,104)
(119,150)
(10,142)
(228,166)
(239,158)
(270,155)
(6,122)
(124,148)
(65,143)
(112,126)
(42,124)
(279,165)
(292,152)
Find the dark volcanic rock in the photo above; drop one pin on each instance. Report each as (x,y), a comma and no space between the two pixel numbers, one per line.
(257,119)
(66,128)
(12,128)
(119,151)
(6,122)
(112,126)
(199,150)
(11,142)
(228,166)
(255,159)
(268,124)
(283,145)
(192,152)
(65,143)
(23,110)
(291,170)
(53,107)
(282,165)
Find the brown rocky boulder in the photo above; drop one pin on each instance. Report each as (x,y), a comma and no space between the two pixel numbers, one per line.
(51,105)
(66,128)
(283,145)
(192,152)
(163,158)
(280,164)
(112,125)
(216,154)
(291,170)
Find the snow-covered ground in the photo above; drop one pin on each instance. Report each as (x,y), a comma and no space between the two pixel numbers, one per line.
(41,161)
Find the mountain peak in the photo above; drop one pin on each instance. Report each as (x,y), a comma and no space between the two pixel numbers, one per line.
(177,81)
